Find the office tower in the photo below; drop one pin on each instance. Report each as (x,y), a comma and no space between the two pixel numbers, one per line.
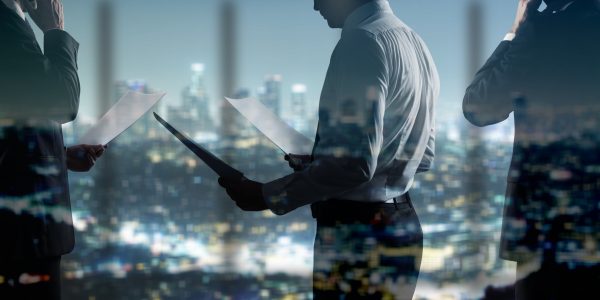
(476,149)
(196,98)
(105,55)
(271,93)
(297,111)
(473,253)
(228,70)
(476,185)
(104,204)
(228,119)
(193,115)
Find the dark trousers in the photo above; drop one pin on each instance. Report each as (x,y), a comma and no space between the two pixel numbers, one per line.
(30,279)
(366,250)
(560,282)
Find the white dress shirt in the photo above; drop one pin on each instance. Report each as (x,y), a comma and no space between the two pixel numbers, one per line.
(12,4)
(376,116)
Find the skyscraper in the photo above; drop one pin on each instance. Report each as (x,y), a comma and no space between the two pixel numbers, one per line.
(228,71)
(297,111)
(271,93)
(228,117)
(105,20)
(194,115)
(472,252)
(105,204)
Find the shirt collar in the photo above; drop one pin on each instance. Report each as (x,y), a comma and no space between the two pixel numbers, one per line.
(366,10)
(14,6)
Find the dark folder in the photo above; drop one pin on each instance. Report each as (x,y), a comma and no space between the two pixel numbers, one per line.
(213,162)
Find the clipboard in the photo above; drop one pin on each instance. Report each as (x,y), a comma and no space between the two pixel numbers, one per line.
(216,164)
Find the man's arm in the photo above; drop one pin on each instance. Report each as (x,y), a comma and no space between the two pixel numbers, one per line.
(36,85)
(350,129)
(488,99)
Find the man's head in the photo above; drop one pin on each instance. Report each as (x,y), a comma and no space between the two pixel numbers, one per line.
(336,11)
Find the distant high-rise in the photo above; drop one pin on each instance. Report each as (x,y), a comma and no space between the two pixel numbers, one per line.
(105,61)
(104,204)
(193,115)
(228,71)
(475,37)
(473,255)
(297,111)
(271,95)
(476,148)
(229,128)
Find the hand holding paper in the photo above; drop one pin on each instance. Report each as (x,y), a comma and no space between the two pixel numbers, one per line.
(81,158)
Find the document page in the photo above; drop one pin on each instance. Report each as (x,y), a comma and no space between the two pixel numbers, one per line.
(279,132)
(122,115)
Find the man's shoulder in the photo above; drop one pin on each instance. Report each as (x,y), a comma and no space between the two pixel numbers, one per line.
(379,24)
(10,23)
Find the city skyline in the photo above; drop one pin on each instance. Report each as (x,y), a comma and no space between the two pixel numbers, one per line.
(157,41)
(169,219)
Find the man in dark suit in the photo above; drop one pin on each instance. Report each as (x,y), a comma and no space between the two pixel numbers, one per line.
(39,91)
(547,72)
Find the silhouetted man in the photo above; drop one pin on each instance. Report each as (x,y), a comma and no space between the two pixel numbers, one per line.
(38,92)
(376,130)
(547,72)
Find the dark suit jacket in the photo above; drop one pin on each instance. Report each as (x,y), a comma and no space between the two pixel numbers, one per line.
(549,77)
(38,92)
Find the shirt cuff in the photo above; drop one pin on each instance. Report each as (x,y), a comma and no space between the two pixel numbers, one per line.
(509,37)
(275,195)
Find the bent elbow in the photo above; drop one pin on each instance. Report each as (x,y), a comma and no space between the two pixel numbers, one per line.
(476,120)
(69,97)
(483,114)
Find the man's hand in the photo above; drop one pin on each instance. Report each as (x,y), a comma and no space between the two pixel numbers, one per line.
(246,193)
(48,15)
(81,158)
(525,10)
(298,162)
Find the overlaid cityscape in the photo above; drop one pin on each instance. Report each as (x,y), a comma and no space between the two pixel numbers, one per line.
(154,212)
(153,222)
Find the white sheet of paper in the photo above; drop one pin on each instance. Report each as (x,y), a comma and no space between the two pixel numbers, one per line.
(122,115)
(279,132)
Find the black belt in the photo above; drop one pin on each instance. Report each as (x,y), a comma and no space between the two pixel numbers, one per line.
(348,211)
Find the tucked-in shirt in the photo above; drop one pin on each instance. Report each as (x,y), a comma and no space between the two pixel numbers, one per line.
(376,116)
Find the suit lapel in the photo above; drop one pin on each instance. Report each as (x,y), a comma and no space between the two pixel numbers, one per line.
(14,19)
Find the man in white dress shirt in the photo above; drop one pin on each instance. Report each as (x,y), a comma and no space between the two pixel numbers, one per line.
(376,131)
